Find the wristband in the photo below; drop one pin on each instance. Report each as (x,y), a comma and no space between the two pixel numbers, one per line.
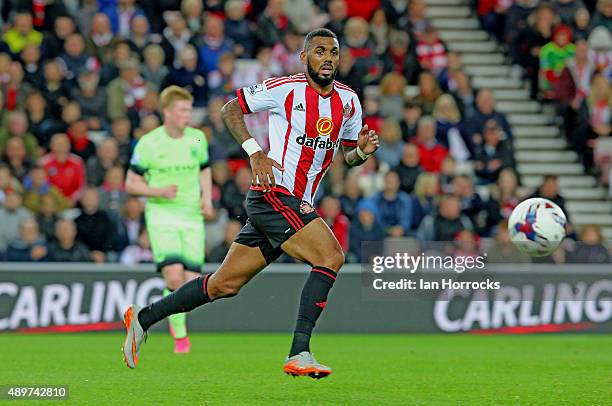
(251,146)
(362,154)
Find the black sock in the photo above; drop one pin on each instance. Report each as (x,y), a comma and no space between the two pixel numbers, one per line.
(186,298)
(312,302)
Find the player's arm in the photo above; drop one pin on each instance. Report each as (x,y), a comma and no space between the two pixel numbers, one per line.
(206,188)
(261,166)
(137,185)
(367,144)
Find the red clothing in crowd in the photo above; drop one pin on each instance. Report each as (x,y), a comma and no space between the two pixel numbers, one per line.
(362,8)
(340,226)
(68,176)
(431,156)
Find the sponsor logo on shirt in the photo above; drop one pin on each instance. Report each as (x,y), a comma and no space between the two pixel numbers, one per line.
(318,142)
(325,126)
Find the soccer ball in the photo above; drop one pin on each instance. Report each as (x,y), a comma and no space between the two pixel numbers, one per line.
(537,227)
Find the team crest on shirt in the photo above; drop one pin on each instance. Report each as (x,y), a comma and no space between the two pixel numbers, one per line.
(305,207)
(325,126)
(255,89)
(347,111)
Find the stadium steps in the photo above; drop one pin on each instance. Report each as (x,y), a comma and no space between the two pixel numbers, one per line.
(539,145)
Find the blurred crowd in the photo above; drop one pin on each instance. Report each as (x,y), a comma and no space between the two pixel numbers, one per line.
(80,80)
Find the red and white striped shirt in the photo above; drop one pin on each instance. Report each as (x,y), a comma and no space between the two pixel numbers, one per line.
(305,128)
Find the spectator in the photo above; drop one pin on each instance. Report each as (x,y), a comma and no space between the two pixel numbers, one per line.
(238,29)
(364,228)
(493,155)
(417,18)
(549,189)
(526,50)
(567,9)
(154,71)
(94,226)
(63,26)
(485,111)
(330,211)
(392,96)
(189,77)
(92,99)
(466,245)
(379,30)
(75,58)
(390,150)
(590,249)
(212,44)
(395,210)
(29,247)
(174,37)
(503,250)
(581,24)
(41,123)
(408,168)
(32,66)
(594,120)
(12,214)
(126,93)
(516,19)
(192,13)
(112,191)
(21,33)
(337,17)
(55,90)
(431,51)
(448,76)
(286,54)
(410,118)
(552,59)
(79,140)
(65,248)
(357,40)
(350,73)
(17,127)
(472,205)
(223,82)
(121,52)
(424,197)
(370,176)
(131,223)
(464,95)
(401,57)
(14,87)
(218,253)
(121,15)
(233,194)
(600,45)
(603,15)
(16,159)
(47,217)
(140,37)
(36,186)
(396,12)
(65,170)
(451,132)
(351,196)
(273,23)
(120,131)
(138,253)
(8,182)
(504,197)
(446,223)
(429,91)
(432,153)
(107,156)
(492,15)
(101,40)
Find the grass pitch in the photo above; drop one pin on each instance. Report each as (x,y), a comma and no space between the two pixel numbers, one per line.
(246,369)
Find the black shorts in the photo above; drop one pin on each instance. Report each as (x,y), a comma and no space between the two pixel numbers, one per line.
(273,218)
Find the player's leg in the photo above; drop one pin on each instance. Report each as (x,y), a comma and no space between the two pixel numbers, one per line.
(241,264)
(314,244)
(174,277)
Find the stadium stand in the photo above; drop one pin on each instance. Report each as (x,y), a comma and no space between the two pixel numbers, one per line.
(481,100)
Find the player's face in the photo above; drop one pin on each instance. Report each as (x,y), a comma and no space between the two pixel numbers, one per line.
(321,59)
(179,113)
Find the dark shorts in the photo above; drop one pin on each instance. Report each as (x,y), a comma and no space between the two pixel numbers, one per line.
(273,218)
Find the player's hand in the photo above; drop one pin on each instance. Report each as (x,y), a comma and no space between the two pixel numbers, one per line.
(261,167)
(208,211)
(168,192)
(367,140)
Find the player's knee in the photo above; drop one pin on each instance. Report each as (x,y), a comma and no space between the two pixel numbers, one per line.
(334,260)
(221,289)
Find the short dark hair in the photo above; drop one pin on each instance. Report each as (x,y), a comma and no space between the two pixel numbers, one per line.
(319,32)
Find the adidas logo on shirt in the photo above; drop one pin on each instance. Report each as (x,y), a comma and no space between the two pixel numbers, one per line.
(299,107)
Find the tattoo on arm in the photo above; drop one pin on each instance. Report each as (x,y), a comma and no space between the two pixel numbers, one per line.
(351,157)
(234,120)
